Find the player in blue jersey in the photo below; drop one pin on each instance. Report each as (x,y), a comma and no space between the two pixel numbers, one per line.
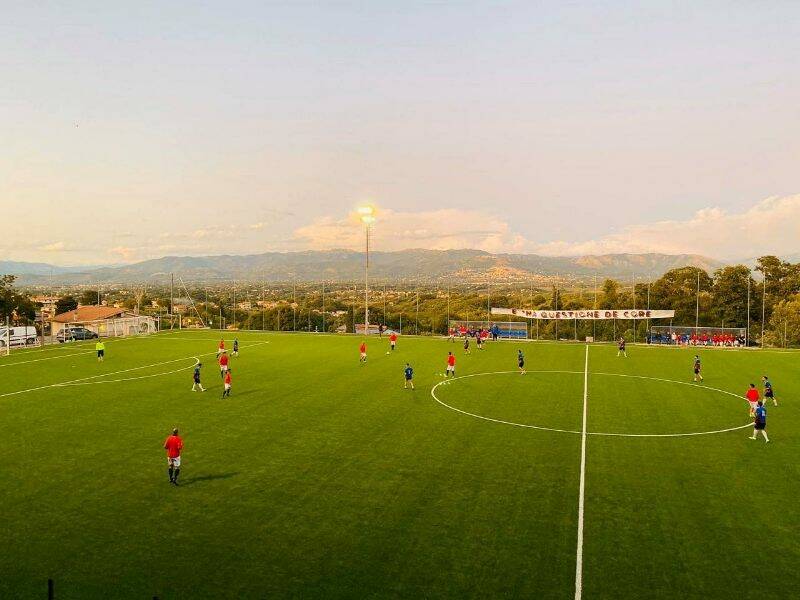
(409,375)
(760,422)
(235,347)
(196,378)
(621,348)
(697,368)
(768,391)
(521,362)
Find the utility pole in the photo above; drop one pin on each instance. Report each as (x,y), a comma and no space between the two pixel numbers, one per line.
(171,295)
(697,306)
(594,321)
(416,327)
(447,327)
(488,304)
(763,307)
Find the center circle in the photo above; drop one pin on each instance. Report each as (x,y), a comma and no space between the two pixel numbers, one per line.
(571,390)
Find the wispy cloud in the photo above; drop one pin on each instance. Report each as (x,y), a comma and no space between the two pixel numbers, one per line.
(771,226)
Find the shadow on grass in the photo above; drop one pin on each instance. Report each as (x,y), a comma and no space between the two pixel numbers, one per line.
(213,477)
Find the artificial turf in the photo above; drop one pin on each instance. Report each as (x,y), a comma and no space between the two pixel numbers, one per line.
(322,477)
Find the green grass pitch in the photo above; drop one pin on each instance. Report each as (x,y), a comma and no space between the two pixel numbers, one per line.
(321,477)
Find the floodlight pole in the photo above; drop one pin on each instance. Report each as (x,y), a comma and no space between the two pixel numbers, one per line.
(447,327)
(763,306)
(747,331)
(366,281)
(634,307)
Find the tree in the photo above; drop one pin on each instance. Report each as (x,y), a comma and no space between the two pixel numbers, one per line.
(66,304)
(730,295)
(784,325)
(610,294)
(677,290)
(12,303)
(781,279)
(88,298)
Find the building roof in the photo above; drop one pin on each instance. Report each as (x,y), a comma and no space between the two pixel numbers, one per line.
(88,313)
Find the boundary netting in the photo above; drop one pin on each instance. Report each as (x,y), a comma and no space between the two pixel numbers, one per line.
(688,335)
(514,330)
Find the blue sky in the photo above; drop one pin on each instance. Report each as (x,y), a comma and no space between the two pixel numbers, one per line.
(167,128)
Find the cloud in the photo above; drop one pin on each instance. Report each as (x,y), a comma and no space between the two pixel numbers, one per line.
(771,226)
(395,230)
(52,247)
(124,252)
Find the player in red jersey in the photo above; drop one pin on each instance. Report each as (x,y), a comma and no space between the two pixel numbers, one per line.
(221,347)
(393,340)
(752,398)
(223,364)
(173,445)
(451,365)
(226,387)
(362,350)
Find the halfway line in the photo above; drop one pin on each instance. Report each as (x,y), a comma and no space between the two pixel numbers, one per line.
(582,489)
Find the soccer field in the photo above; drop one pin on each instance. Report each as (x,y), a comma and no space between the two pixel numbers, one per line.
(322,477)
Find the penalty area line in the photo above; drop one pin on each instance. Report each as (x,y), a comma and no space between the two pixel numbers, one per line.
(81,380)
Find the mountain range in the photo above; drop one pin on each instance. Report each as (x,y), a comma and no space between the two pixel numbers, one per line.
(346,265)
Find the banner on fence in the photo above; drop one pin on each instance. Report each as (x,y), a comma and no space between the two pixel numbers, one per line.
(590,315)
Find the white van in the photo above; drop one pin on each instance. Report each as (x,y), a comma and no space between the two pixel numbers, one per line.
(18,336)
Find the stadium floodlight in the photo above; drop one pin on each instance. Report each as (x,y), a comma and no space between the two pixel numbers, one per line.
(367,215)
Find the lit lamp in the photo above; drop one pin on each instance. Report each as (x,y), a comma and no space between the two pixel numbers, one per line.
(367,215)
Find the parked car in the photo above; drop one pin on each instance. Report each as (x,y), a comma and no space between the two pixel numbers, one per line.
(75,333)
(18,336)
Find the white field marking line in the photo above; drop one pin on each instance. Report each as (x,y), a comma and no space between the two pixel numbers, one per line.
(195,339)
(582,487)
(464,412)
(33,360)
(600,433)
(197,362)
(75,381)
(60,350)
